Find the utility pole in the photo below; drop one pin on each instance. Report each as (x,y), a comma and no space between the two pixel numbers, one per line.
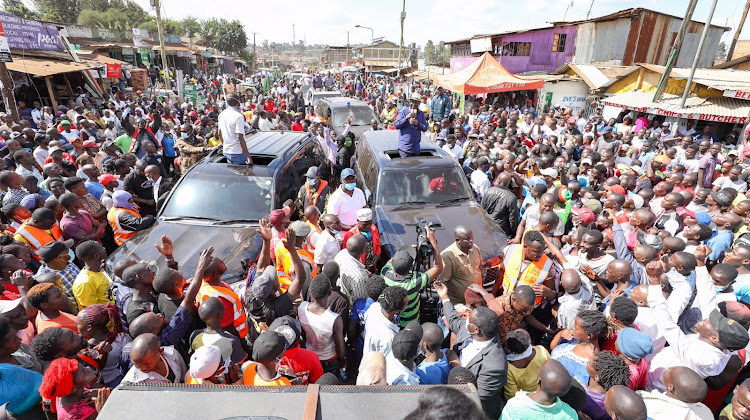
(255,56)
(701,43)
(590,7)
(401,44)
(9,98)
(346,59)
(739,29)
(159,27)
(675,50)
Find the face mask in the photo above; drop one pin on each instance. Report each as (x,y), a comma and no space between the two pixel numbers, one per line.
(367,235)
(470,250)
(185,135)
(333,231)
(351,186)
(311,182)
(348,142)
(721,289)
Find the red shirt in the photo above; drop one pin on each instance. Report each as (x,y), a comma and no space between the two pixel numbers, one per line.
(304,363)
(66,156)
(638,375)
(296,126)
(375,239)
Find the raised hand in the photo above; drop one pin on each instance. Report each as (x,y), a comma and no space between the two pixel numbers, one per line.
(265,231)
(290,241)
(205,259)
(166,247)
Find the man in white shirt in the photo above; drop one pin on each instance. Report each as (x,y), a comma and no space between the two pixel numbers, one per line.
(381,320)
(264,124)
(399,364)
(552,129)
(687,130)
(327,246)
(346,200)
(232,132)
(578,297)
(731,181)
(479,181)
(453,148)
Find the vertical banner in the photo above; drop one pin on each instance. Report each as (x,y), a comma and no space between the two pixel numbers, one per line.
(5,56)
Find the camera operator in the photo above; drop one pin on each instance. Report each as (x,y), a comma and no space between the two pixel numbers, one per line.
(400,271)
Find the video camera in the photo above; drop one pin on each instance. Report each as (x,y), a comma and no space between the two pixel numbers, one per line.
(424,247)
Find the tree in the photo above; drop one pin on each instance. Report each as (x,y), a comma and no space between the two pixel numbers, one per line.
(231,36)
(190,26)
(429,52)
(721,52)
(18,8)
(64,11)
(129,15)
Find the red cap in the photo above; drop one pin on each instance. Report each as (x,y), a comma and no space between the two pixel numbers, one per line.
(615,189)
(276,217)
(105,179)
(571,120)
(193,114)
(586,215)
(90,143)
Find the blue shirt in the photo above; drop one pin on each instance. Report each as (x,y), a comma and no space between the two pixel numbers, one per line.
(721,241)
(96,189)
(357,314)
(167,142)
(410,137)
(434,373)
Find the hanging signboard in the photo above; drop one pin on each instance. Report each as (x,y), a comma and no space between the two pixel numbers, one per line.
(24,34)
(5,56)
(113,71)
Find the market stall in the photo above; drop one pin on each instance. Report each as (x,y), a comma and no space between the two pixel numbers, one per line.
(483,76)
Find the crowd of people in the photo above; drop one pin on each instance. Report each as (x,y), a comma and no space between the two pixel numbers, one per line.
(623,291)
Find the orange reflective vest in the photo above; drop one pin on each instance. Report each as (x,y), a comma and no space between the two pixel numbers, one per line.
(312,196)
(240,320)
(535,273)
(284,273)
(250,377)
(308,246)
(122,235)
(38,238)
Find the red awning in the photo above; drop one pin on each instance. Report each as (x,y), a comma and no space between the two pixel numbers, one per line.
(485,75)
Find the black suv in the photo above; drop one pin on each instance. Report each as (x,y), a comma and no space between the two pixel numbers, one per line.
(219,204)
(399,190)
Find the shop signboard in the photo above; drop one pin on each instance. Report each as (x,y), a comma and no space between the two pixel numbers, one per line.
(738,94)
(5,56)
(24,34)
(113,71)
(686,115)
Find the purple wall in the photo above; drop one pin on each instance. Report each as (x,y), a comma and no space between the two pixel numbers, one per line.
(458,63)
(542,58)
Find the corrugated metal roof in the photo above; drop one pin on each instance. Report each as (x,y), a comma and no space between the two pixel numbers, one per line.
(697,108)
(719,79)
(628,13)
(597,75)
(46,66)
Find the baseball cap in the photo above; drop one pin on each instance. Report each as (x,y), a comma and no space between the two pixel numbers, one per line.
(405,344)
(731,333)
(53,249)
(571,120)
(268,346)
(347,172)
(108,143)
(105,179)
(54,149)
(733,152)
(586,160)
(15,135)
(722,198)
(650,240)
(205,362)
(605,130)
(276,217)
(90,143)
(415,97)
(9,305)
(634,344)
(64,122)
(364,215)
(637,200)
(586,215)
(551,172)
(664,124)
(300,228)
(615,189)
(403,259)
(264,284)
(593,205)
(288,327)
(637,169)
(703,218)
(313,172)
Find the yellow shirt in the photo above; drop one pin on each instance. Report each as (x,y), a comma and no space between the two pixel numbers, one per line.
(727,413)
(90,288)
(525,379)
(213,142)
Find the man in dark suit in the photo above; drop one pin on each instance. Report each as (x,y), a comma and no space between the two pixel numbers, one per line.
(480,351)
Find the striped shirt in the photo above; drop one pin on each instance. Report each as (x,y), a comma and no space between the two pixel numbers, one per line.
(413,286)
(353,276)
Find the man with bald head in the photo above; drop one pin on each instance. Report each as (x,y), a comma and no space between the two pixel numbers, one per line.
(554,381)
(531,217)
(153,363)
(685,390)
(578,297)
(192,148)
(352,270)
(501,203)
(622,403)
(327,246)
(461,264)
(641,220)
(618,273)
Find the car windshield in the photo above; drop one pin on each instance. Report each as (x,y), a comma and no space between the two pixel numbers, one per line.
(221,197)
(430,186)
(363,115)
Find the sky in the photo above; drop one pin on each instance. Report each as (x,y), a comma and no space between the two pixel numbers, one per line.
(328,21)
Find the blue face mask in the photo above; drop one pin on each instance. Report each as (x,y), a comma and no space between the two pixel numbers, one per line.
(351,186)
(185,135)
(721,289)
(367,235)
(311,182)
(334,231)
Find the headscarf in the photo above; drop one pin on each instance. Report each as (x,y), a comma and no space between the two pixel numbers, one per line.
(31,201)
(120,199)
(103,316)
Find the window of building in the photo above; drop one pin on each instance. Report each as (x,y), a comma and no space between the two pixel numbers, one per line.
(514,49)
(559,43)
